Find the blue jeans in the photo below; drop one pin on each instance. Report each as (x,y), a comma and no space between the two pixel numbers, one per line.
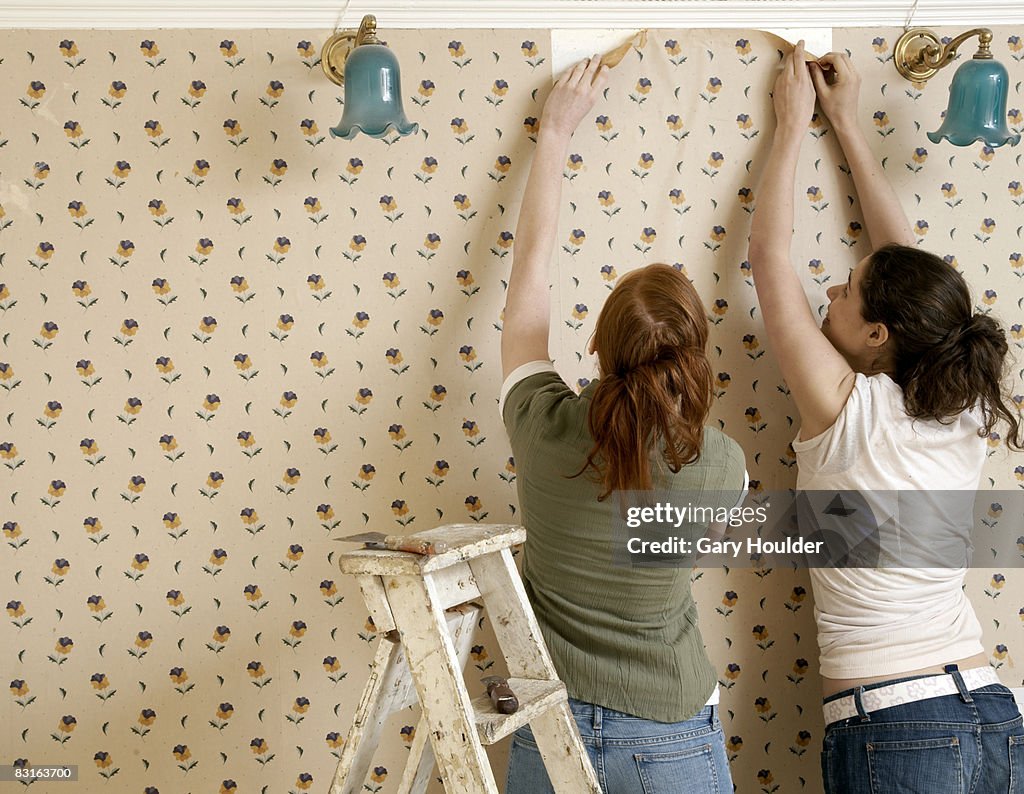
(968,743)
(632,755)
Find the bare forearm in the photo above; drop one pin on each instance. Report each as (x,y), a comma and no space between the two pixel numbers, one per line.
(771,229)
(884,216)
(535,231)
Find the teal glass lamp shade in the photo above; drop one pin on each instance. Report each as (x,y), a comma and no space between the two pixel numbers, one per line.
(977,106)
(373,95)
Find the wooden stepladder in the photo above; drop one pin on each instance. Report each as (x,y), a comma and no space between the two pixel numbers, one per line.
(408,595)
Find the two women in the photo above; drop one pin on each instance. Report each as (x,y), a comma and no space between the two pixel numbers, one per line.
(897,391)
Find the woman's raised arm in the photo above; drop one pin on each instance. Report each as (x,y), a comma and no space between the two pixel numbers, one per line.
(818,376)
(524,337)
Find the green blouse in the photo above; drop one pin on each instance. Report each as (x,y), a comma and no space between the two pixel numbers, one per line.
(620,637)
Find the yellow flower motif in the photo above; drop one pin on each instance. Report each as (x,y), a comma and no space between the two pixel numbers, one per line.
(230,50)
(309,129)
(97,604)
(76,209)
(275,89)
(154,129)
(197,89)
(291,476)
(462,202)
(204,247)
(282,245)
(68,49)
(498,89)
(239,284)
(49,330)
(73,129)
(36,90)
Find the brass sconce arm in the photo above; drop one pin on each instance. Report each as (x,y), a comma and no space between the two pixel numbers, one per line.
(338,46)
(919,54)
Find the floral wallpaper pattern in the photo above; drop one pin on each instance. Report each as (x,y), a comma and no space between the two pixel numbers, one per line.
(227,340)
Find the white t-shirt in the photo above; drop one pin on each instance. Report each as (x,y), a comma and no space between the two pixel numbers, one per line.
(885,621)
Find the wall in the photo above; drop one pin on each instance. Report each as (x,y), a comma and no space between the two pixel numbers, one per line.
(261,340)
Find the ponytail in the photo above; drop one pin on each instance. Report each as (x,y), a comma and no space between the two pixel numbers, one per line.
(946,358)
(655,389)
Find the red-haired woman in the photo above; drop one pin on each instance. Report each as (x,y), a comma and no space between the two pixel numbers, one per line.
(897,392)
(624,639)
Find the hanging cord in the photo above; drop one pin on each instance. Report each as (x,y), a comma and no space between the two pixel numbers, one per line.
(344,10)
(910,16)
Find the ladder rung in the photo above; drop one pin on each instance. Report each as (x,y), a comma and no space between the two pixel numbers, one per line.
(535,697)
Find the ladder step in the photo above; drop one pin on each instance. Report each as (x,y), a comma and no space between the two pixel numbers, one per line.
(535,697)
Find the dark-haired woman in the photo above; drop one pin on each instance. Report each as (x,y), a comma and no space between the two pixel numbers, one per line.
(624,640)
(897,392)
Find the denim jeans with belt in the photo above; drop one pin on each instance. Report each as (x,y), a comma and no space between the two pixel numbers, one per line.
(967,743)
(632,755)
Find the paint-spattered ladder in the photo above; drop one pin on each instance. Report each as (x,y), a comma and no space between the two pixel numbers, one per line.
(421,604)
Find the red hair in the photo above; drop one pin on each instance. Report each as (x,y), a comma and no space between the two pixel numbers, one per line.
(655,388)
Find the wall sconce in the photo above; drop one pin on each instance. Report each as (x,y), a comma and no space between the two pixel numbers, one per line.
(373,86)
(977,95)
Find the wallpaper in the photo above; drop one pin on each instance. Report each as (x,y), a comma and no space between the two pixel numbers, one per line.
(228,340)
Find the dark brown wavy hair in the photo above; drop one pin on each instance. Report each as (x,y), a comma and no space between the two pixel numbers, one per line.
(655,385)
(946,357)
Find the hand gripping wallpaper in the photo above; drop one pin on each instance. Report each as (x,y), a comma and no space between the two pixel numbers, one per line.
(227,340)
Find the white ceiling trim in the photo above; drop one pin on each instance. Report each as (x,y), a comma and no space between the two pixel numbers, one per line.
(328,14)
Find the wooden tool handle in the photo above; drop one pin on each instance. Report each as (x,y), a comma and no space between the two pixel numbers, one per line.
(415,545)
(502,696)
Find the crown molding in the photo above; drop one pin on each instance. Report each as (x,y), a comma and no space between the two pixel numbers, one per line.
(530,14)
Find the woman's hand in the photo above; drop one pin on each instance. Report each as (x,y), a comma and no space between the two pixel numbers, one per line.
(793,95)
(573,96)
(838,87)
